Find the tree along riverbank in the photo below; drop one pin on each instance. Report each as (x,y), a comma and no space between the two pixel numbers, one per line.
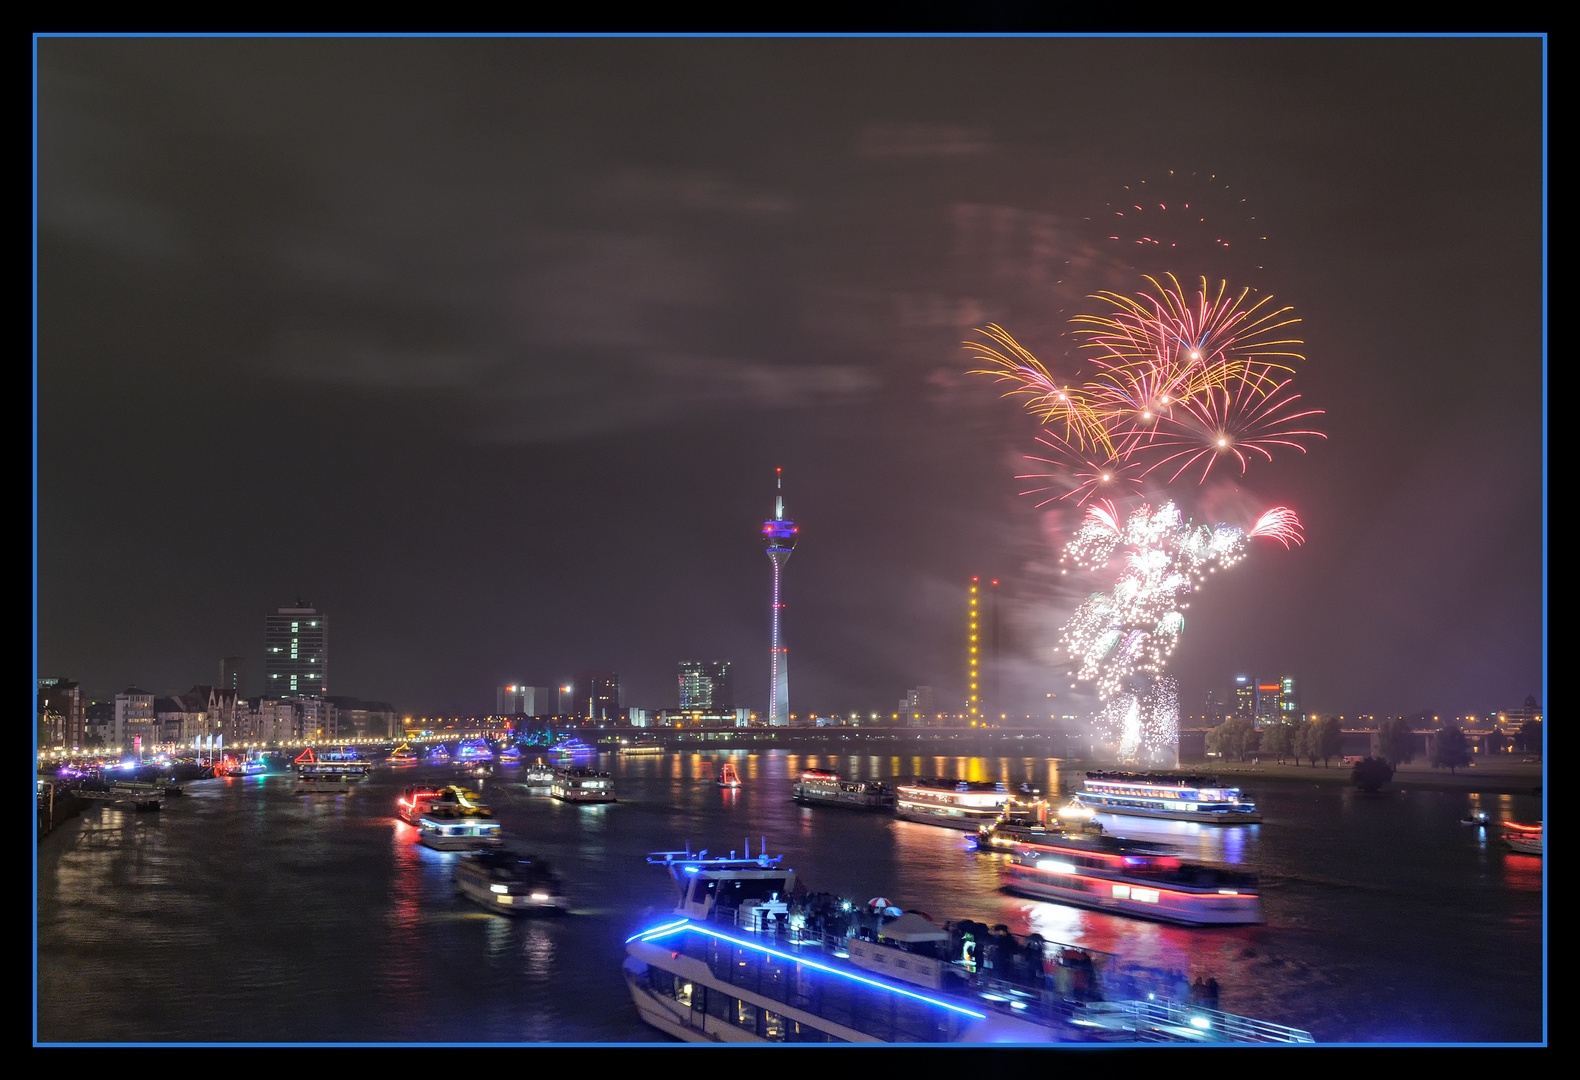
(1493,777)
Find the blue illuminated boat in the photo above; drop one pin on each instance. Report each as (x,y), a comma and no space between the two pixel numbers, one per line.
(474,750)
(726,966)
(438,755)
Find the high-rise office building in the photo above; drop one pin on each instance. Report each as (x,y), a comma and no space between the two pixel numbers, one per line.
(1244,691)
(518,699)
(706,686)
(295,653)
(233,674)
(779,537)
(596,695)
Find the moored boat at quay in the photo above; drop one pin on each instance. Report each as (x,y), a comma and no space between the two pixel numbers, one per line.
(582,786)
(954,804)
(729,966)
(819,788)
(1131,877)
(1173,796)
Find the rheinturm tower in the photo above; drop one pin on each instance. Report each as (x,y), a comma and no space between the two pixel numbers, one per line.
(779,537)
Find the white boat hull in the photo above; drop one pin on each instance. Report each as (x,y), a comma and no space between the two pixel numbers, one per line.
(1146,901)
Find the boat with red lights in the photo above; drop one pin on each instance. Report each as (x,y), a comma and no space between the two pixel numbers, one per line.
(729,777)
(1131,877)
(331,775)
(418,799)
(403,757)
(1173,796)
(1526,839)
(818,788)
(954,804)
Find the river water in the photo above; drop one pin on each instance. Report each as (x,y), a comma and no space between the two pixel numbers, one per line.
(245,913)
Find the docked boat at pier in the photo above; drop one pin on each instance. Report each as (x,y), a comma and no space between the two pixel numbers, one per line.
(510,883)
(954,804)
(818,788)
(582,786)
(1131,877)
(1173,796)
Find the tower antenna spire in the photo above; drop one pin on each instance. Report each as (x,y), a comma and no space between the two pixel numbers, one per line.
(779,537)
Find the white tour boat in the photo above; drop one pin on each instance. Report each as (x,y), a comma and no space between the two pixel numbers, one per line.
(955,804)
(1174,796)
(1130,877)
(818,788)
(510,883)
(582,786)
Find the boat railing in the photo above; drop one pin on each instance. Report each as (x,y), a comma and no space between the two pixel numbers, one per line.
(1173,1021)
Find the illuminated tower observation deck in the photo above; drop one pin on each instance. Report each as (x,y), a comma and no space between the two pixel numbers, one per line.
(779,536)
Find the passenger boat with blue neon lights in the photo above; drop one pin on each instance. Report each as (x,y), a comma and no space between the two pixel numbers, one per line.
(1131,877)
(818,788)
(447,828)
(582,786)
(438,755)
(249,767)
(954,804)
(1174,796)
(510,883)
(723,968)
(474,750)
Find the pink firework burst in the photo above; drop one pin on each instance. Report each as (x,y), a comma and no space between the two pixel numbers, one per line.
(1281,524)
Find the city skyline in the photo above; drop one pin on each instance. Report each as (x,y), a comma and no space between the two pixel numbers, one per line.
(497,383)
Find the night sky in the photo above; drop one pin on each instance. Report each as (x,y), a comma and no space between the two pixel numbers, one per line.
(490,348)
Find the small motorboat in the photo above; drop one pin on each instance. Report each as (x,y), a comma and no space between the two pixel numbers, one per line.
(1475,819)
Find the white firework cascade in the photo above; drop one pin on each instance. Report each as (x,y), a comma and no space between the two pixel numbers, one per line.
(1132,629)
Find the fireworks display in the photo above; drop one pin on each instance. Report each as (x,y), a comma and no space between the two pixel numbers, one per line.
(1179,383)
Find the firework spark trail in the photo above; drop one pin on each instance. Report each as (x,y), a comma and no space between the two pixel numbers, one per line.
(1178,381)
